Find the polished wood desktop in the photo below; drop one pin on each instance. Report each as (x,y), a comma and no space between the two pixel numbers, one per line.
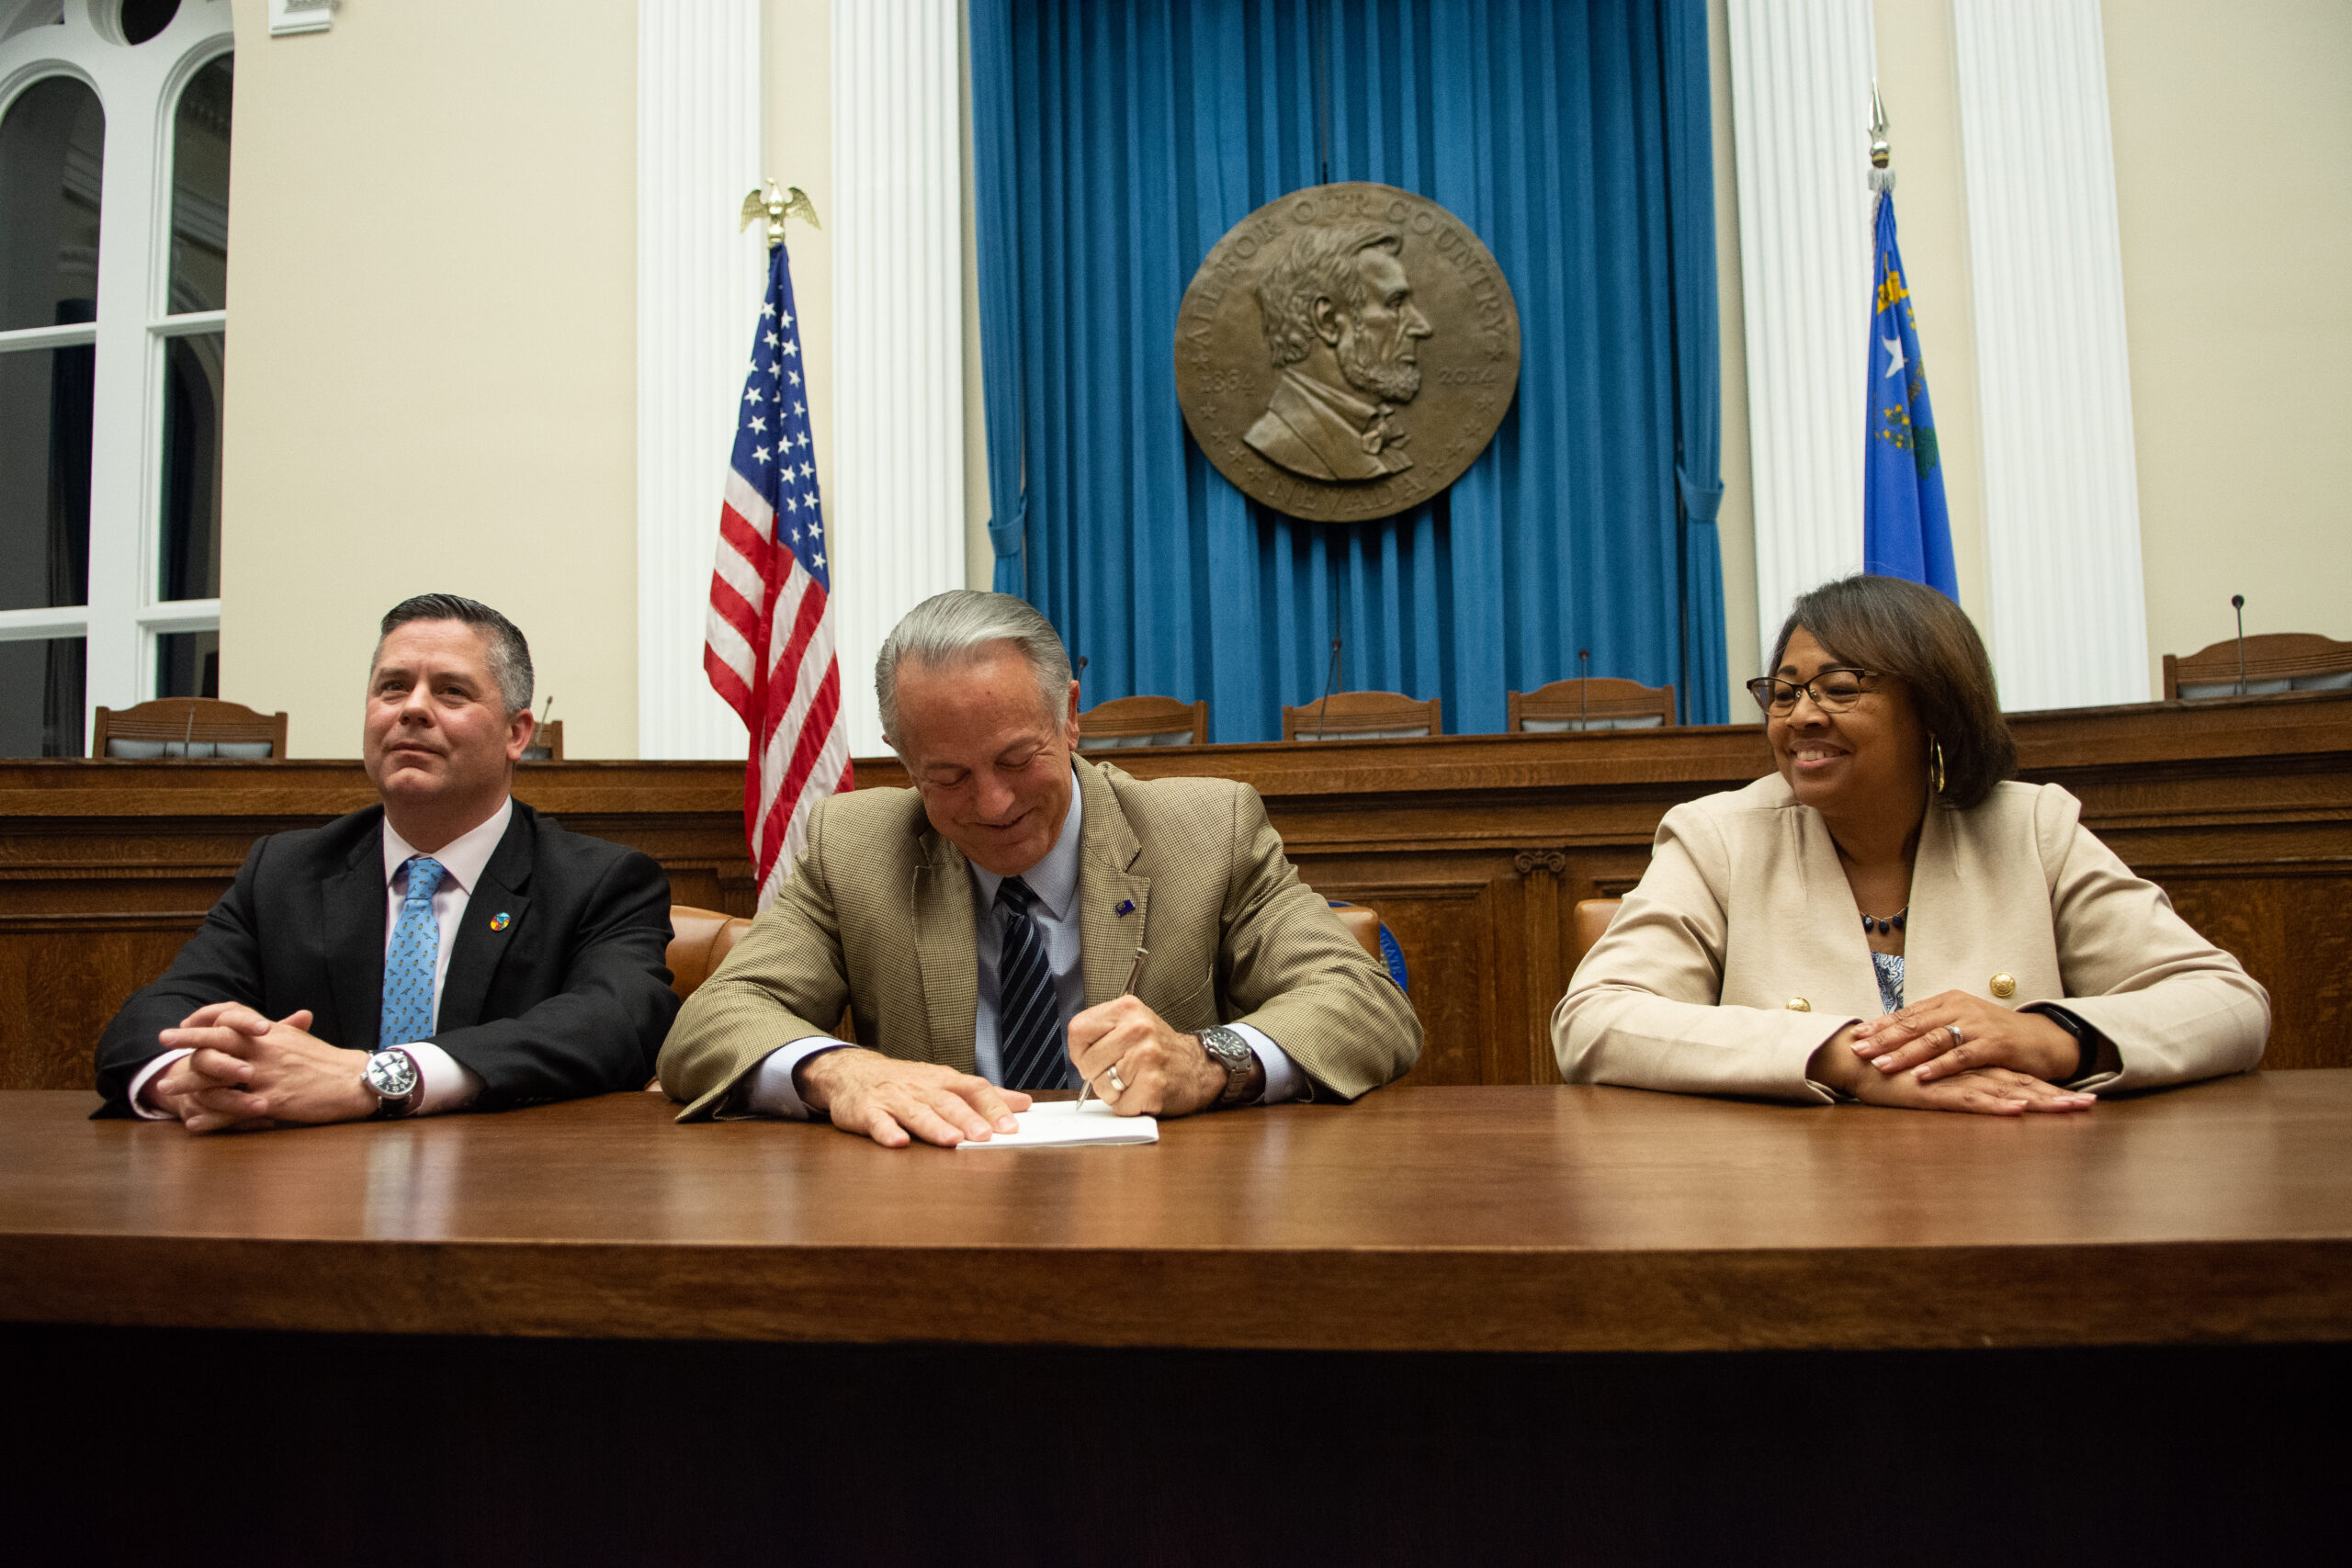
(1574,1325)
(1513,1219)
(1473,847)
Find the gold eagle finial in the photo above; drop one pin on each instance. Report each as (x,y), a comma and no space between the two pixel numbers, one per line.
(776,203)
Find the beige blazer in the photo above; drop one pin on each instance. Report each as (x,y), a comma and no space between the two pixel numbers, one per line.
(879,916)
(1742,952)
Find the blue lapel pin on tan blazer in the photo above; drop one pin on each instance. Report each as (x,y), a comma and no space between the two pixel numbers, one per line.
(1126,906)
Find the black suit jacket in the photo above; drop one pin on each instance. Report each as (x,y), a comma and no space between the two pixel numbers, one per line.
(570,997)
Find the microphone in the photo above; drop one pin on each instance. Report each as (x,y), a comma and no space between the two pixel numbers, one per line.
(1584,688)
(2237,602)
(1328,682)
(1080,673)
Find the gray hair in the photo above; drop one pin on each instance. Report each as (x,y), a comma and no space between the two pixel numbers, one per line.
(954,628)
(1319,264)
(509,655)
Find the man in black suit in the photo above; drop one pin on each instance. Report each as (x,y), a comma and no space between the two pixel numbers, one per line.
(447,948)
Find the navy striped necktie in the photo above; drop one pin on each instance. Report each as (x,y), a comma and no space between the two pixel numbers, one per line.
(1028,1014)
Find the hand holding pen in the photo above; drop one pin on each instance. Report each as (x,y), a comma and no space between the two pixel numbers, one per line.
(1135,978)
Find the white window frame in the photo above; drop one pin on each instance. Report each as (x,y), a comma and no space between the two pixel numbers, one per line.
(139,88)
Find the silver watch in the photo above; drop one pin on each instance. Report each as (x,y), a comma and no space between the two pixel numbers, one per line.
(398,1081)
(1232,1052)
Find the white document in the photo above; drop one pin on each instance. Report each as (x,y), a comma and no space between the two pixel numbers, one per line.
(1060,1123)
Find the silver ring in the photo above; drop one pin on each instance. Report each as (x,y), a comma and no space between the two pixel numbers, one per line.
(1956,1036)
(1116,1081)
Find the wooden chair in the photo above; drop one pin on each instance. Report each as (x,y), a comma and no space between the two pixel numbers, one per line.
(2275,661)
(1143,721)
(1592,923)
(1600,702)
(546,743)
(1362,716)
(188,727)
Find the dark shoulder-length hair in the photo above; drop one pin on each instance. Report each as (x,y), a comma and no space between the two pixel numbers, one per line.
(1914,633)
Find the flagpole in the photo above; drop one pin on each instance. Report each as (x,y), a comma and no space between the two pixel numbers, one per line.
(1882,178)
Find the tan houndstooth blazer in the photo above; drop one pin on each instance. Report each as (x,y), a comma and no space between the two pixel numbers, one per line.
(1741,952)
(879,916)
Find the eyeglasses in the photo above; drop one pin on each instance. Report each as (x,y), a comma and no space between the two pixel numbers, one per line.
(1832,691)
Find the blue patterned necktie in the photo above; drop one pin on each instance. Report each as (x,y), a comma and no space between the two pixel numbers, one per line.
(408,967)
(1028,1014)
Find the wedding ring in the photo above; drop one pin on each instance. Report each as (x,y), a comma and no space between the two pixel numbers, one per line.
(1116,1081)
(1955,1034)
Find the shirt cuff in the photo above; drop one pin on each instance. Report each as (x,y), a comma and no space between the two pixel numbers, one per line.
(767,1089)
(444,1082)
(139,1107)
(1284,1082)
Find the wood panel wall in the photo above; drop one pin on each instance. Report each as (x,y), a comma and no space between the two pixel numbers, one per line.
(1474,849)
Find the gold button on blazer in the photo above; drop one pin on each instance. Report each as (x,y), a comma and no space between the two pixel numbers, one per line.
(1745,903)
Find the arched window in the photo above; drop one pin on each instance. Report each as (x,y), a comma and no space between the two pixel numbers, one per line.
(113,340)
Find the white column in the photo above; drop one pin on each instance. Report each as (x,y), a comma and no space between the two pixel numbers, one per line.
(1801,96)
(698,283)
(896,494)
(2062,500)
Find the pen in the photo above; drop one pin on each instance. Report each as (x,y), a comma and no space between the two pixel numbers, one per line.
(1135,978)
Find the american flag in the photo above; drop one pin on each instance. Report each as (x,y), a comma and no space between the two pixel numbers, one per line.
(768,647)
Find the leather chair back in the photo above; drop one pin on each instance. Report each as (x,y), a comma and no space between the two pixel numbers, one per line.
(700,941)
(1363,924)
(1592,923)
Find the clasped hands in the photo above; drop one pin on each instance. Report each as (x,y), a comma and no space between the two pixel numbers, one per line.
(894,1102)
(248,1071)
(2005,1063)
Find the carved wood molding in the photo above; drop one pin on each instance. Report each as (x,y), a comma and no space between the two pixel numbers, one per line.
(1528,861)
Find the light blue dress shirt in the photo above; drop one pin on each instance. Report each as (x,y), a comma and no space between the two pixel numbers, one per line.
(1054,880)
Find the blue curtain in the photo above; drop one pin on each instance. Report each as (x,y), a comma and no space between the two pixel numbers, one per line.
(1116,141)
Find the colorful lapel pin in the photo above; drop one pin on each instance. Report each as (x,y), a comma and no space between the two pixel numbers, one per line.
(501,920)
(1126,906)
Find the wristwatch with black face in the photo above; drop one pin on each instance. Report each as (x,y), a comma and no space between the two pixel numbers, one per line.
(398,1083)
(1232,1052)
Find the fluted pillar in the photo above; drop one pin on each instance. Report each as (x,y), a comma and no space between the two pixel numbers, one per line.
(2062,502)
(1801,96)
(698,284)
(896,494)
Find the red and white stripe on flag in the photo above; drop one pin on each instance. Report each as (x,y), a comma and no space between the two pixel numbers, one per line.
(768,642)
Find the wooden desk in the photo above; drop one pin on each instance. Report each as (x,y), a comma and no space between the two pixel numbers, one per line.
(582,1333)
(1524,1219)
(1473,847)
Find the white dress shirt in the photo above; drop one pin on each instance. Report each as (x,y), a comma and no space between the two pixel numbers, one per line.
(1053,880)
(446,1084)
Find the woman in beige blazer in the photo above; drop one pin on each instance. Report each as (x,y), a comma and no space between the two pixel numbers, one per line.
(1885,918)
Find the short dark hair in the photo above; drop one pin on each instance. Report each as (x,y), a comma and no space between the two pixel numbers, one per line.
(1922,638)
(510,656)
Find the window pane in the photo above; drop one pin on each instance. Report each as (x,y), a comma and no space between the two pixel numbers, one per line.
(45,476)
(51,144)
(41,698)
(192,372)
(200,193)
(143,19)
(187,664)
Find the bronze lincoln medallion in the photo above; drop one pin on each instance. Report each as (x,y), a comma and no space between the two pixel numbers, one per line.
(1346,351)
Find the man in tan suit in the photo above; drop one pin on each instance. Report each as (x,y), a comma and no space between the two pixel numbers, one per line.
(981,927)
